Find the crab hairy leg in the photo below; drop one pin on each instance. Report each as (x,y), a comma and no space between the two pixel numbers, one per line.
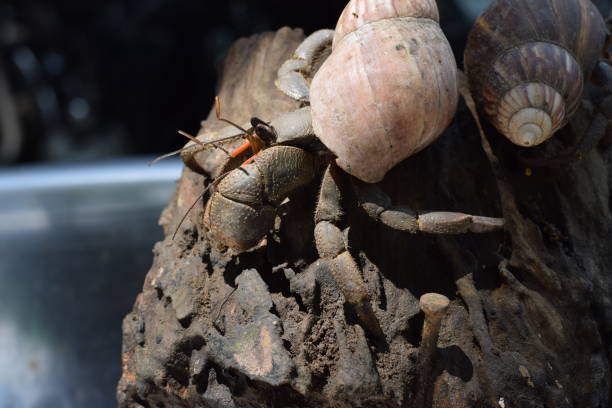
(250,159)
(332,246)
(602,76)
(306,58)
(378,206)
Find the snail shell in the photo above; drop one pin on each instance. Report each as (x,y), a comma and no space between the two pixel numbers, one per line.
(527,60)
(389,87)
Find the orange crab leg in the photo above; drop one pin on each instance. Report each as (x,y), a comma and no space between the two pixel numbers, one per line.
(253,142)
(250,159)
(240,149)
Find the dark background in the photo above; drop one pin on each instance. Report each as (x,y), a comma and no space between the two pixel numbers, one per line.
(93,79)
(81,80)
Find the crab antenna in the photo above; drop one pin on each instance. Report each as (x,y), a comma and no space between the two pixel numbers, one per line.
(187,213)
(212,142)
(223,304)
(188,136)
(215,182)
(218,114)
(217,106)
(163,156)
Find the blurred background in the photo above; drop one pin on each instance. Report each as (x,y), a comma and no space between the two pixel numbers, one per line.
(90,91)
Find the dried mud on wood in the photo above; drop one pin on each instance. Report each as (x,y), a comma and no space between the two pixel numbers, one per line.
(530,317)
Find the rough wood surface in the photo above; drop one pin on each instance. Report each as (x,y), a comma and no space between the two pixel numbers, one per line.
(530,316)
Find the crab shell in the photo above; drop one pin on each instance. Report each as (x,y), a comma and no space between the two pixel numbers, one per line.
(389,87)
(526,62)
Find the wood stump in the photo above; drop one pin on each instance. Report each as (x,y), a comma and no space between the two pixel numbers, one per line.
(530,317)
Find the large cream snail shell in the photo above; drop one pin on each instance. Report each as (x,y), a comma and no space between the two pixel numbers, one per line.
(389,87)
(527,60)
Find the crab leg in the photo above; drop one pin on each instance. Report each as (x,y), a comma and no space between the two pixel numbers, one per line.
(332,246)
(240,149)
(293,73)
(602,76)
(378,206)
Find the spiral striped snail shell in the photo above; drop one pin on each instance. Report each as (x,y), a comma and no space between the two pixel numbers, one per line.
(527,60)
(389,87)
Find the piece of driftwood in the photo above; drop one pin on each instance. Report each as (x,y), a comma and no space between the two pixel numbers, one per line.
(529,322)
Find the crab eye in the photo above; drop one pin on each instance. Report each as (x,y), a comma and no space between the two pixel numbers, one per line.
(256,121)
(265,132)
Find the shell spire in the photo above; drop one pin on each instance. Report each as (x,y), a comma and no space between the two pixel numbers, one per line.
(360,12)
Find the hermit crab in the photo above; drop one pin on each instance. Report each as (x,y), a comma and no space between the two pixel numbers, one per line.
(379,88)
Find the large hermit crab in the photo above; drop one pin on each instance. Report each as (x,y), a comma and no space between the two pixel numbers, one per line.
(386,91)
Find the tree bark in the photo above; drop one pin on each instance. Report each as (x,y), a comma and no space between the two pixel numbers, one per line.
(530,317)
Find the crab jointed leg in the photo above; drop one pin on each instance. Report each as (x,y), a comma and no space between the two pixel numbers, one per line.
(378,206)
(331,241)
(293,73)
(331,244)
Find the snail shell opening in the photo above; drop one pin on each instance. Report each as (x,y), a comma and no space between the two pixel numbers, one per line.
(531,113)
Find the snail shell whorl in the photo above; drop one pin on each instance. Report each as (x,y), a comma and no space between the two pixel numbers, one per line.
(530,113)
(360,12)
(526,62)
(554,90)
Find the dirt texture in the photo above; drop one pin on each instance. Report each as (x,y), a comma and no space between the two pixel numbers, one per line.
(530,317)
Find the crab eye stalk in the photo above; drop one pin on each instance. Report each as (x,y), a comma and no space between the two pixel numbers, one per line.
(264,131)
(256,121)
